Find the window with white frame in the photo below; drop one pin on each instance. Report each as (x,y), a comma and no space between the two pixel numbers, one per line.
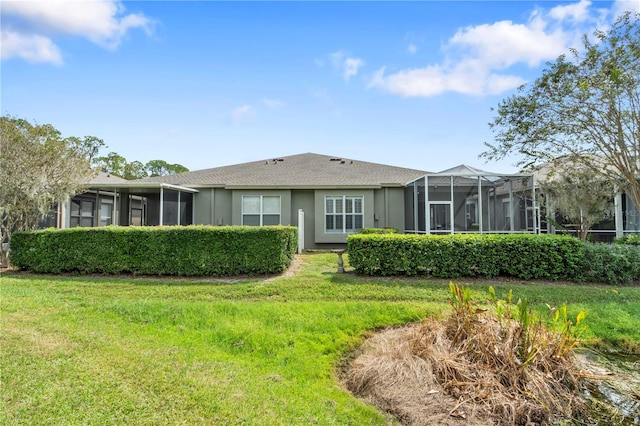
(343,214)
(260,210)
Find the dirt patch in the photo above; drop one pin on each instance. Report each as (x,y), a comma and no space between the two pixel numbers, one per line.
(294,267)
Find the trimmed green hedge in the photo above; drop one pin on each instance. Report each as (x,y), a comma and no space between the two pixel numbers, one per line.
(524,256)
(611,264)
(379,231)
(172,250)
(467,255)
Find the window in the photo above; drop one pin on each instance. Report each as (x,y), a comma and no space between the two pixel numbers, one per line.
(260,210)
(81,212)
(106,213)
(343,214)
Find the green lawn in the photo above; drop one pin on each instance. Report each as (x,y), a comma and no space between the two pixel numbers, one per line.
(78,350)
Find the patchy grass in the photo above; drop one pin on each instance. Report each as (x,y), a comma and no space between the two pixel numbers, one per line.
(96,350)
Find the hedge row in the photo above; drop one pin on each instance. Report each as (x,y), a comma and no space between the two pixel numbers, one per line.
(379,231)
(524,256)
(629,239)
(173,250)
(611,264)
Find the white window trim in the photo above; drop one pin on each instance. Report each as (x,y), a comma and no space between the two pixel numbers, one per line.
(344,213)
(261,214)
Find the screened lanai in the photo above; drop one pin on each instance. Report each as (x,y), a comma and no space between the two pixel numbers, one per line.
(126,203)
(465,199)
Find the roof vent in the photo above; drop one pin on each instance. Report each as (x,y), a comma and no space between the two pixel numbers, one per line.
(336,159)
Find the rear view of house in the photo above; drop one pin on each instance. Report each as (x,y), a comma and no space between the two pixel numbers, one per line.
(332,196)
(328,198)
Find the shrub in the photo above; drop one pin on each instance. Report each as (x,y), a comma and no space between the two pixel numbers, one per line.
(629,239)
(172,250)
(523,256)
(611,264)
(379,231)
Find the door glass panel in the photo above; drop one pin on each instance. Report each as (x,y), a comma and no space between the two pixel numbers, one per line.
(105,214)
(440,217)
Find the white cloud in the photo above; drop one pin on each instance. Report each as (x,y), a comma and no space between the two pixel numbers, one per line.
(477,58)
(578,12)
(504,43)
(104,23)
(348,66)
(272,103)
(434,80)
(412,49)
(621,6)
(241,113)
(32,48)
(351,66)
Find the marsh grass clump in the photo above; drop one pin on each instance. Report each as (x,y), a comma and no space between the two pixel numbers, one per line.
(505,361)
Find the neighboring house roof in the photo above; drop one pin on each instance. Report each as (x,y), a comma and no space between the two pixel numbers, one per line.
(103,178)
(296,171)
(463,169)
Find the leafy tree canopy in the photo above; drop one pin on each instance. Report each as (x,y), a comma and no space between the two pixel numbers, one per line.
(117,165)
(585,107)
(38,168)
(162,168)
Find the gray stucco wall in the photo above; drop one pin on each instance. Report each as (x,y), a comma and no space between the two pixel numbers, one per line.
(212,206)
(223,207)
(217,206)
(203,207)
(389,208)
(304,199)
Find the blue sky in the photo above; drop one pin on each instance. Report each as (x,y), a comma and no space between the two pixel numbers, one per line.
(207,84)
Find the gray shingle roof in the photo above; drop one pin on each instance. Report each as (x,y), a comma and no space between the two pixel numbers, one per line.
(296,171)
(103,178)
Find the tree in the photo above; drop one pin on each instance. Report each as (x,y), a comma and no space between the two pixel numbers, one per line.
(574,191)
(586,108)
(162,168)
(113,163)
(134,170)
(89,145)
(37,170)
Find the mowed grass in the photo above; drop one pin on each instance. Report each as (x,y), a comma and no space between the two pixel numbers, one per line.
(127,350)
